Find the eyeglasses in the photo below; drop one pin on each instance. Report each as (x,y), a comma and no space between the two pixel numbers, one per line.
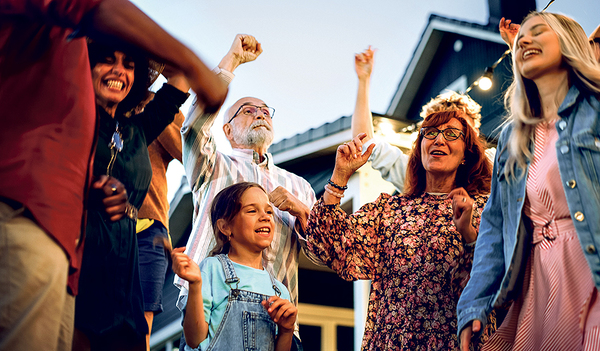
(253,110)
(449,134)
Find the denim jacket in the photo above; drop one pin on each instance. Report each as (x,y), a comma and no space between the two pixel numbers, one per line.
(504,240)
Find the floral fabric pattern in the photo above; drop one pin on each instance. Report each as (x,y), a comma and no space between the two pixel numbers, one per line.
(415,257)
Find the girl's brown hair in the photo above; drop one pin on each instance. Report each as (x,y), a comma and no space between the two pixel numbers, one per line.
(226,205)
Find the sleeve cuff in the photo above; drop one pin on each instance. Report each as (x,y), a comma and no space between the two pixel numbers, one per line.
(173,94)
(366,145)
(224,74)
(471,244)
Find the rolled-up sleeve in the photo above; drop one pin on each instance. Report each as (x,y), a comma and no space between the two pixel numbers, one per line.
(390,161)
(199,146)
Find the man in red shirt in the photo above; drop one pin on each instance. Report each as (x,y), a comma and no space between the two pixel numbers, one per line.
(47,138)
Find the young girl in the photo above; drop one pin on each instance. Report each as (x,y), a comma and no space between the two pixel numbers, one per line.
(233,302)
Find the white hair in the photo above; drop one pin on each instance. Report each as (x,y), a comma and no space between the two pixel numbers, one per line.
(253,136)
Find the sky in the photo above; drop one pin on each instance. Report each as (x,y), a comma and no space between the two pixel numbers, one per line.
(306,71)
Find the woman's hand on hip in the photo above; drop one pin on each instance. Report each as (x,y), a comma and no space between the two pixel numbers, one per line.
(114,196)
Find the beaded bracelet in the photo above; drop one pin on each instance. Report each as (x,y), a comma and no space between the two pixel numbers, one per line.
(329,190)
(342,188)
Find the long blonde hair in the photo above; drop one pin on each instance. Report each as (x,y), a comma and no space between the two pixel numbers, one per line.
(522,98)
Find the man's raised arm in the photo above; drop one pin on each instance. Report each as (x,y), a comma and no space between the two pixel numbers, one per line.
(198,150)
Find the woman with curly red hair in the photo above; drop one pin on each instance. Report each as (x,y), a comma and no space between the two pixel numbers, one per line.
(416,247)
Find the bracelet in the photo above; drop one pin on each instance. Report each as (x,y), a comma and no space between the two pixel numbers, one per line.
(131,211)
(342,188)
(329,190)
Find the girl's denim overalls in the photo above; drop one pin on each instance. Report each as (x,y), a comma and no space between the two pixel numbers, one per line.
(246,325)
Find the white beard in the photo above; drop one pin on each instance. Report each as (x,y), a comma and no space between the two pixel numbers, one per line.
(250,137)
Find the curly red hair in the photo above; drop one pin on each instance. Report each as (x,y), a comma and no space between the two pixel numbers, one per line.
(475,175)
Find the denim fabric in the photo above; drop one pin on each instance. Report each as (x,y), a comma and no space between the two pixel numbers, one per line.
(153,264)
(246,325)
(503,244)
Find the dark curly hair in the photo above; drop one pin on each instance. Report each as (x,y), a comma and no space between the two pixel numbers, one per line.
(144,75)
(475,175)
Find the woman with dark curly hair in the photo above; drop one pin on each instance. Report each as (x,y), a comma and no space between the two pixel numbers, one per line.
(416,247)
(109,310)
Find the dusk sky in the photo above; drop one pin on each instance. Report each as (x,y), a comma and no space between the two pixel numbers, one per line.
(306,71)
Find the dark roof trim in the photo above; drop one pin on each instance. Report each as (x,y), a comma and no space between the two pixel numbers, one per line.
(425,51)
(325,138)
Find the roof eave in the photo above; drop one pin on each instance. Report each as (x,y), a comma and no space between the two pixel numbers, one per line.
(424,53)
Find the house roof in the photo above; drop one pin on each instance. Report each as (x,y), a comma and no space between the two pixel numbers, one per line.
(425,51)
(326,138)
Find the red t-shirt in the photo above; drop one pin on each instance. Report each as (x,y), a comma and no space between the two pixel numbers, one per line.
(48,116)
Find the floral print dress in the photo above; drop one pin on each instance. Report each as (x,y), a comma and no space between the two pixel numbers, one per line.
(417,261)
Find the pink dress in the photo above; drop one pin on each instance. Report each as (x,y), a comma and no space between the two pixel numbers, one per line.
(559,307)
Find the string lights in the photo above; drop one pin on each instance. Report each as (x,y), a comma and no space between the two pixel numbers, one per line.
(484,82)
(550,3)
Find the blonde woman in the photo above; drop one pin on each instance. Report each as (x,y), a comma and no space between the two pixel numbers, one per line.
(540,230)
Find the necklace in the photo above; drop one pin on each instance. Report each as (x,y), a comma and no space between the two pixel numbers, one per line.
(116,146)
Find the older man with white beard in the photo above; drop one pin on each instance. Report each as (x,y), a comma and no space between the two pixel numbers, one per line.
(249,129)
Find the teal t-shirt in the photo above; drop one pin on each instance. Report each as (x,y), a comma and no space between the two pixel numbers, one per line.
(215,291)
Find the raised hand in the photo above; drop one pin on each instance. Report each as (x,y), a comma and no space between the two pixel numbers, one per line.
(508,31)
(176,78)
(349,158)
(363,63)
(185,267)
(462,208)
(245,48)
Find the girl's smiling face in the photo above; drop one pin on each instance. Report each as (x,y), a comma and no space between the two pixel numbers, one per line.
(252,227)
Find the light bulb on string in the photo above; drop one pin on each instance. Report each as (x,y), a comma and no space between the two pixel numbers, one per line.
(485,82)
